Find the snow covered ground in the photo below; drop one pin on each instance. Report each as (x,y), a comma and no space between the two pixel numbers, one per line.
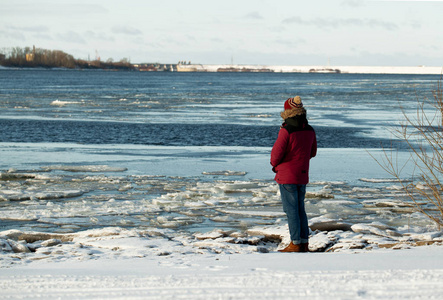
(116,263)
(415,273)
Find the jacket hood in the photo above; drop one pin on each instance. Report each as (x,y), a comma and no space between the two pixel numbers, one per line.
(289,113)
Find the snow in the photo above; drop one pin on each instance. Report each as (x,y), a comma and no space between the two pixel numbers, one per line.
(117,263)
(386,274)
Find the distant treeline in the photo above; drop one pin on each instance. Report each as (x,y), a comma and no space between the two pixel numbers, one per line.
(36,57)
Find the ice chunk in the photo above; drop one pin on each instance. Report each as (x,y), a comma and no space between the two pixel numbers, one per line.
(15,176)
(238,186)
(18,247)
(319,242)
(374,229)
(5,246)
(214,234)
(276,233)
(329,225)
(51,242)
(365,190)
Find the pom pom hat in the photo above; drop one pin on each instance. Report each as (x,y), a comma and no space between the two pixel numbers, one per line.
(293,107)
(293,103)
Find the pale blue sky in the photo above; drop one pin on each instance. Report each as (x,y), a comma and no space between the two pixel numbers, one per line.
(276,32)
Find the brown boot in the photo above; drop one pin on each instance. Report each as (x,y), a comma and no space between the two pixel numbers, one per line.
(304,247)
(292,248)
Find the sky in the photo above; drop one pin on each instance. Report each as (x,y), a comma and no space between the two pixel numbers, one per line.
(260,32)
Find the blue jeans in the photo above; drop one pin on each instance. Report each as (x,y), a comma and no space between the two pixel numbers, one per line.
(293,199)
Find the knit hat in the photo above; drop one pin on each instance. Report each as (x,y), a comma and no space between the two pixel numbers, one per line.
(293,107)
(293,103)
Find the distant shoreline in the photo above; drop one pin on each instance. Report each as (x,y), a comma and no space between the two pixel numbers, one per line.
(311,69)
(34,58)
(212,68)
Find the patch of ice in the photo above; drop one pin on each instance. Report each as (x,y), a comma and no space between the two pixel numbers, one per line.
(86,168)
(322,194)
(422,186)
(237,186)
(378,180)
(365,190)
(252,213)
(386,203)
(428,236)
(226,173)
(260,116)
(328,183)
(63,103)
(14,195)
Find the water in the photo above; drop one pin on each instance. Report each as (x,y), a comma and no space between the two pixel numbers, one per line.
(91,149)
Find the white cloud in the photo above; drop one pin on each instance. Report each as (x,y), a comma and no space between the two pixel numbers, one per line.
(98,36)
(126,30)
(12,35)
(53,8)
(353,3)
(42,36)
(216,40)
(328,23)
(38,29)
(290,42)
(71,37)
(211,32)
(254,16)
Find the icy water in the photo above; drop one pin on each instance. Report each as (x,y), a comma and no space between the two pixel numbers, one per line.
(93,149)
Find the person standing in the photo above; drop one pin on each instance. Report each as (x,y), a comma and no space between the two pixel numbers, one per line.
(296,144)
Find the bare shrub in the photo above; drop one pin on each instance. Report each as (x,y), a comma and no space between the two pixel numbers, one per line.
(422,132)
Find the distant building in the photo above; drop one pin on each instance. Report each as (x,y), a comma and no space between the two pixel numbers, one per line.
(2,57)
(155,67)
(30,57)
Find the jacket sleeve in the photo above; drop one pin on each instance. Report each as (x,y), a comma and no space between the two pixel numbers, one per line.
(314,147)
(279,148)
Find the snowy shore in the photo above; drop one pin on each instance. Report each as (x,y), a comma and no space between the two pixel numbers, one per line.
(385,274)
(362,261)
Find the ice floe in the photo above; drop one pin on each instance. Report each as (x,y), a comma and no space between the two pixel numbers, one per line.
(80,213)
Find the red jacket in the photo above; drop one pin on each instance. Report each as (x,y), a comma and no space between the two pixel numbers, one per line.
(291,153)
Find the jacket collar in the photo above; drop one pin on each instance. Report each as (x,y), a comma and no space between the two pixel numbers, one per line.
(299,121)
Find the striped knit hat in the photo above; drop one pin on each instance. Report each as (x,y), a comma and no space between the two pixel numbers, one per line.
(293,103)
(293,107)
